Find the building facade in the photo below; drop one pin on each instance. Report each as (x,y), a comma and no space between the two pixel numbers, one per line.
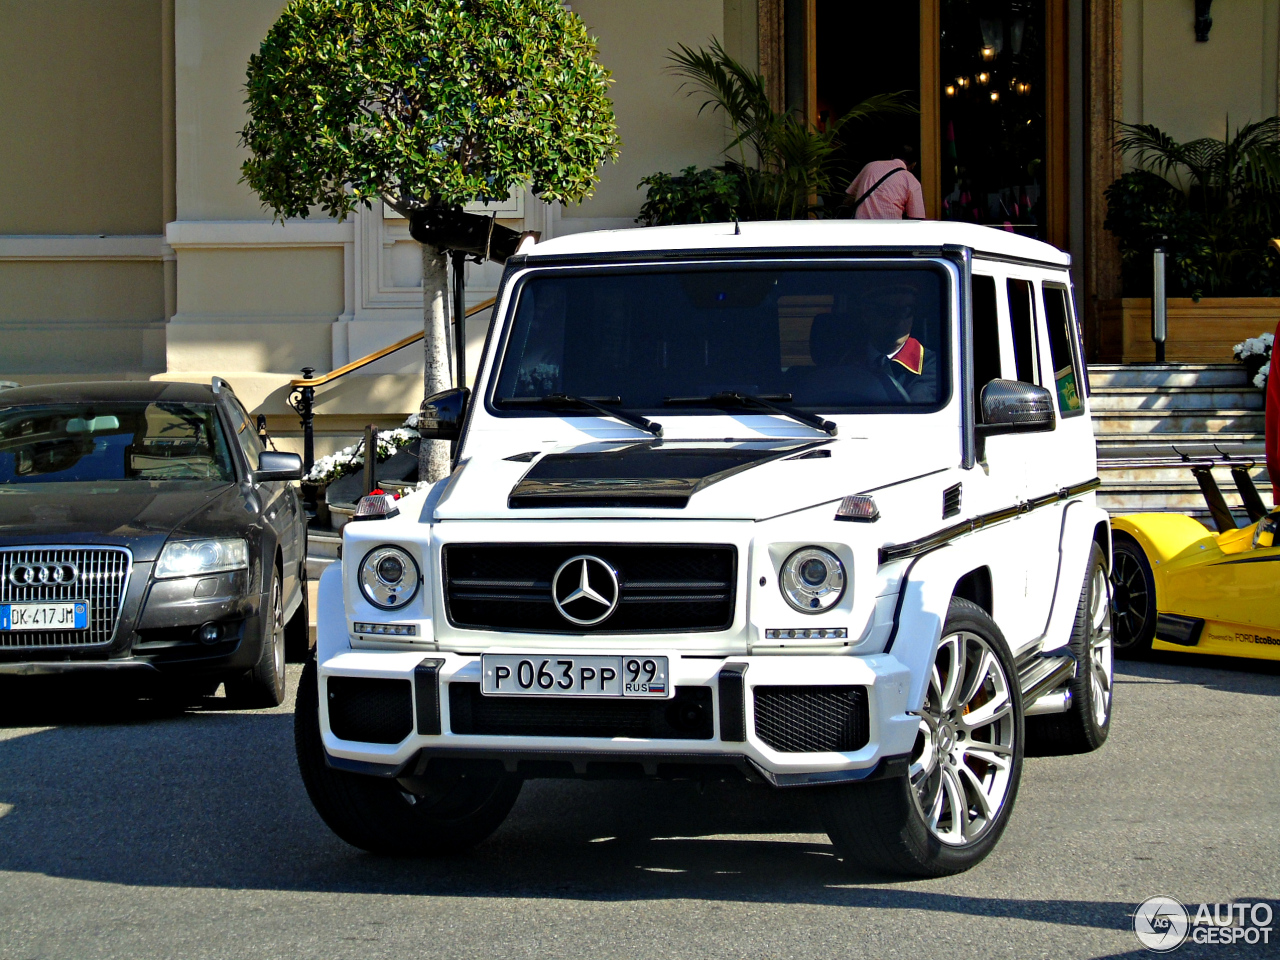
(130,248)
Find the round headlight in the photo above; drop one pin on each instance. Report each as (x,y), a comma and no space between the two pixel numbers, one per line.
(388,577)
(812,580)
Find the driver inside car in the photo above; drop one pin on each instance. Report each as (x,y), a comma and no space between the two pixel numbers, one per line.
(887,318)
(871,356)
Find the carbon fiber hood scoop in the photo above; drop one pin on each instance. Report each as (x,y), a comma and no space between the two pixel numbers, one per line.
(652,473)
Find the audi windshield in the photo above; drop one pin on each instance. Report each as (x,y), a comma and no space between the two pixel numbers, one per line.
(827,339)
(77,442)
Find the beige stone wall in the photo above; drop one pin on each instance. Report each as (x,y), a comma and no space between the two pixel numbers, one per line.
(659,126)
(1190,89)
(80,156)
(255,310)
(80,116)
(214,40)
(77,318)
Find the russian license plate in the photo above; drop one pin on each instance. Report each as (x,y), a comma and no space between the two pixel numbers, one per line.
(572,676)
(44,616)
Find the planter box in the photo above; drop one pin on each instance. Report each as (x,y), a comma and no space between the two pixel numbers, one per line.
(1201,332)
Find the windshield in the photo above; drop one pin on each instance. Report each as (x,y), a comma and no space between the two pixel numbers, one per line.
(834,339)
(59,443)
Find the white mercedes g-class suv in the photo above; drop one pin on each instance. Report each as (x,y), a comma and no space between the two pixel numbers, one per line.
(808,504)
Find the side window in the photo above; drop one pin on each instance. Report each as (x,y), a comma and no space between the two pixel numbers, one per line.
(1023,316)
(986,337)
(246,435)
(1066,366)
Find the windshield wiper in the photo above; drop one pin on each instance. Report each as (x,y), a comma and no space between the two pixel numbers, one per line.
(732,400)
(587,403)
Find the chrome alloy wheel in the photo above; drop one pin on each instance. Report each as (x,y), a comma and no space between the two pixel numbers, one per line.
(963,759)
(1099,648)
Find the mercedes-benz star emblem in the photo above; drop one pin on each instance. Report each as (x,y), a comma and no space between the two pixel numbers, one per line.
(585,590)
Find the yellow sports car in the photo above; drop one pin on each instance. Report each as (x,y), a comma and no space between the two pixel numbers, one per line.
(1178,586)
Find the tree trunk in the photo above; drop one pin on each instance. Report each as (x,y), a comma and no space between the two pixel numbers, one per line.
(433,455)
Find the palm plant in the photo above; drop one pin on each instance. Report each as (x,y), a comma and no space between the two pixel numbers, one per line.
(1217,201)
(783,163)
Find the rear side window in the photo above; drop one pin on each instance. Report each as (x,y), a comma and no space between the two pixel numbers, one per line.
(1066,367)
(246,435)
(1022,316)
(986,336)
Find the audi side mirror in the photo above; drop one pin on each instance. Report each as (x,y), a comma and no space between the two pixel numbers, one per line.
(1011,406)
(277,466)
(441,415)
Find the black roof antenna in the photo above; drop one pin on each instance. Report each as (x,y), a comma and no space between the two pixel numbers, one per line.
(737,230)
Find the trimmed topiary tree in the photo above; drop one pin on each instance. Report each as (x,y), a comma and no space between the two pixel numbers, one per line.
(425,104)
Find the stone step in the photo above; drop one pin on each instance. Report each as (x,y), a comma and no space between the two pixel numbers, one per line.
(323,548)
(1176,476)
(1176,398)
(1106,375)
(1215,423)
(1107,441)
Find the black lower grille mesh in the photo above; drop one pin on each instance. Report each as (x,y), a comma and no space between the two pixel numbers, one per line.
(812,719)
(687,716)
(370,710)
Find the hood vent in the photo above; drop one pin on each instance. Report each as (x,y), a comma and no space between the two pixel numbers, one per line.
(951,501)
(647,474)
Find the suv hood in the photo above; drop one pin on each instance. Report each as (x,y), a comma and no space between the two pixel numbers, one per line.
(679,480)
(138,514)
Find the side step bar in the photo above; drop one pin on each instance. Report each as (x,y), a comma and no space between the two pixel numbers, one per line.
(1040,676)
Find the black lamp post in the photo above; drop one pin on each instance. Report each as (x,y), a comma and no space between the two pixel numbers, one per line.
(1204,22)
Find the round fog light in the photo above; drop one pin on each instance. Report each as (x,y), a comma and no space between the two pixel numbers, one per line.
(210,633)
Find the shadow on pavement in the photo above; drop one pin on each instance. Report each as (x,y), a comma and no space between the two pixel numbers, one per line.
(213,799)
(1228,674)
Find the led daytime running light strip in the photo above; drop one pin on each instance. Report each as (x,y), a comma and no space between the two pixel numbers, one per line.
(811,633)
(387,629)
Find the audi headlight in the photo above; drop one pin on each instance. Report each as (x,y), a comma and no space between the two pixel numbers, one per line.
(389,577)
(812,580)
(193,558)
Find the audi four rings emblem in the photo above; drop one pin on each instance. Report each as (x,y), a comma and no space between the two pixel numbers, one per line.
(39,574)
(585,590)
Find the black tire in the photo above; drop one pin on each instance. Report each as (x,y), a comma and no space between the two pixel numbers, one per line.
(443,815)
(1084,727)
(1133,598)
(882,825)
(263,686)
(297,632)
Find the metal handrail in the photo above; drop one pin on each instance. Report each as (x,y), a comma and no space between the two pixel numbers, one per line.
(302,390)
(364,361)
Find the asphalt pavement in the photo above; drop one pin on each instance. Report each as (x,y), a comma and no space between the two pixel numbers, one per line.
(128,830)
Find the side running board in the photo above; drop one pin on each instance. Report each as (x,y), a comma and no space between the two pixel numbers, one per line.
(1040,676)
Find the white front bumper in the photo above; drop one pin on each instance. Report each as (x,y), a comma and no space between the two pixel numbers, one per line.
(892,730)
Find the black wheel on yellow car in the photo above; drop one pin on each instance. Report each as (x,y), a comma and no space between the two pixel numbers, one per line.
(428,816)
(1133,597)
(948,812)
(1086,723)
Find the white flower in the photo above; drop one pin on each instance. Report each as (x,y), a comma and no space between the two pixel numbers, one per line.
(1260,381)
(1254,346)
(350,459)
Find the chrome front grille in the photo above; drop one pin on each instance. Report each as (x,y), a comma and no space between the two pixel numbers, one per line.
(102,575)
